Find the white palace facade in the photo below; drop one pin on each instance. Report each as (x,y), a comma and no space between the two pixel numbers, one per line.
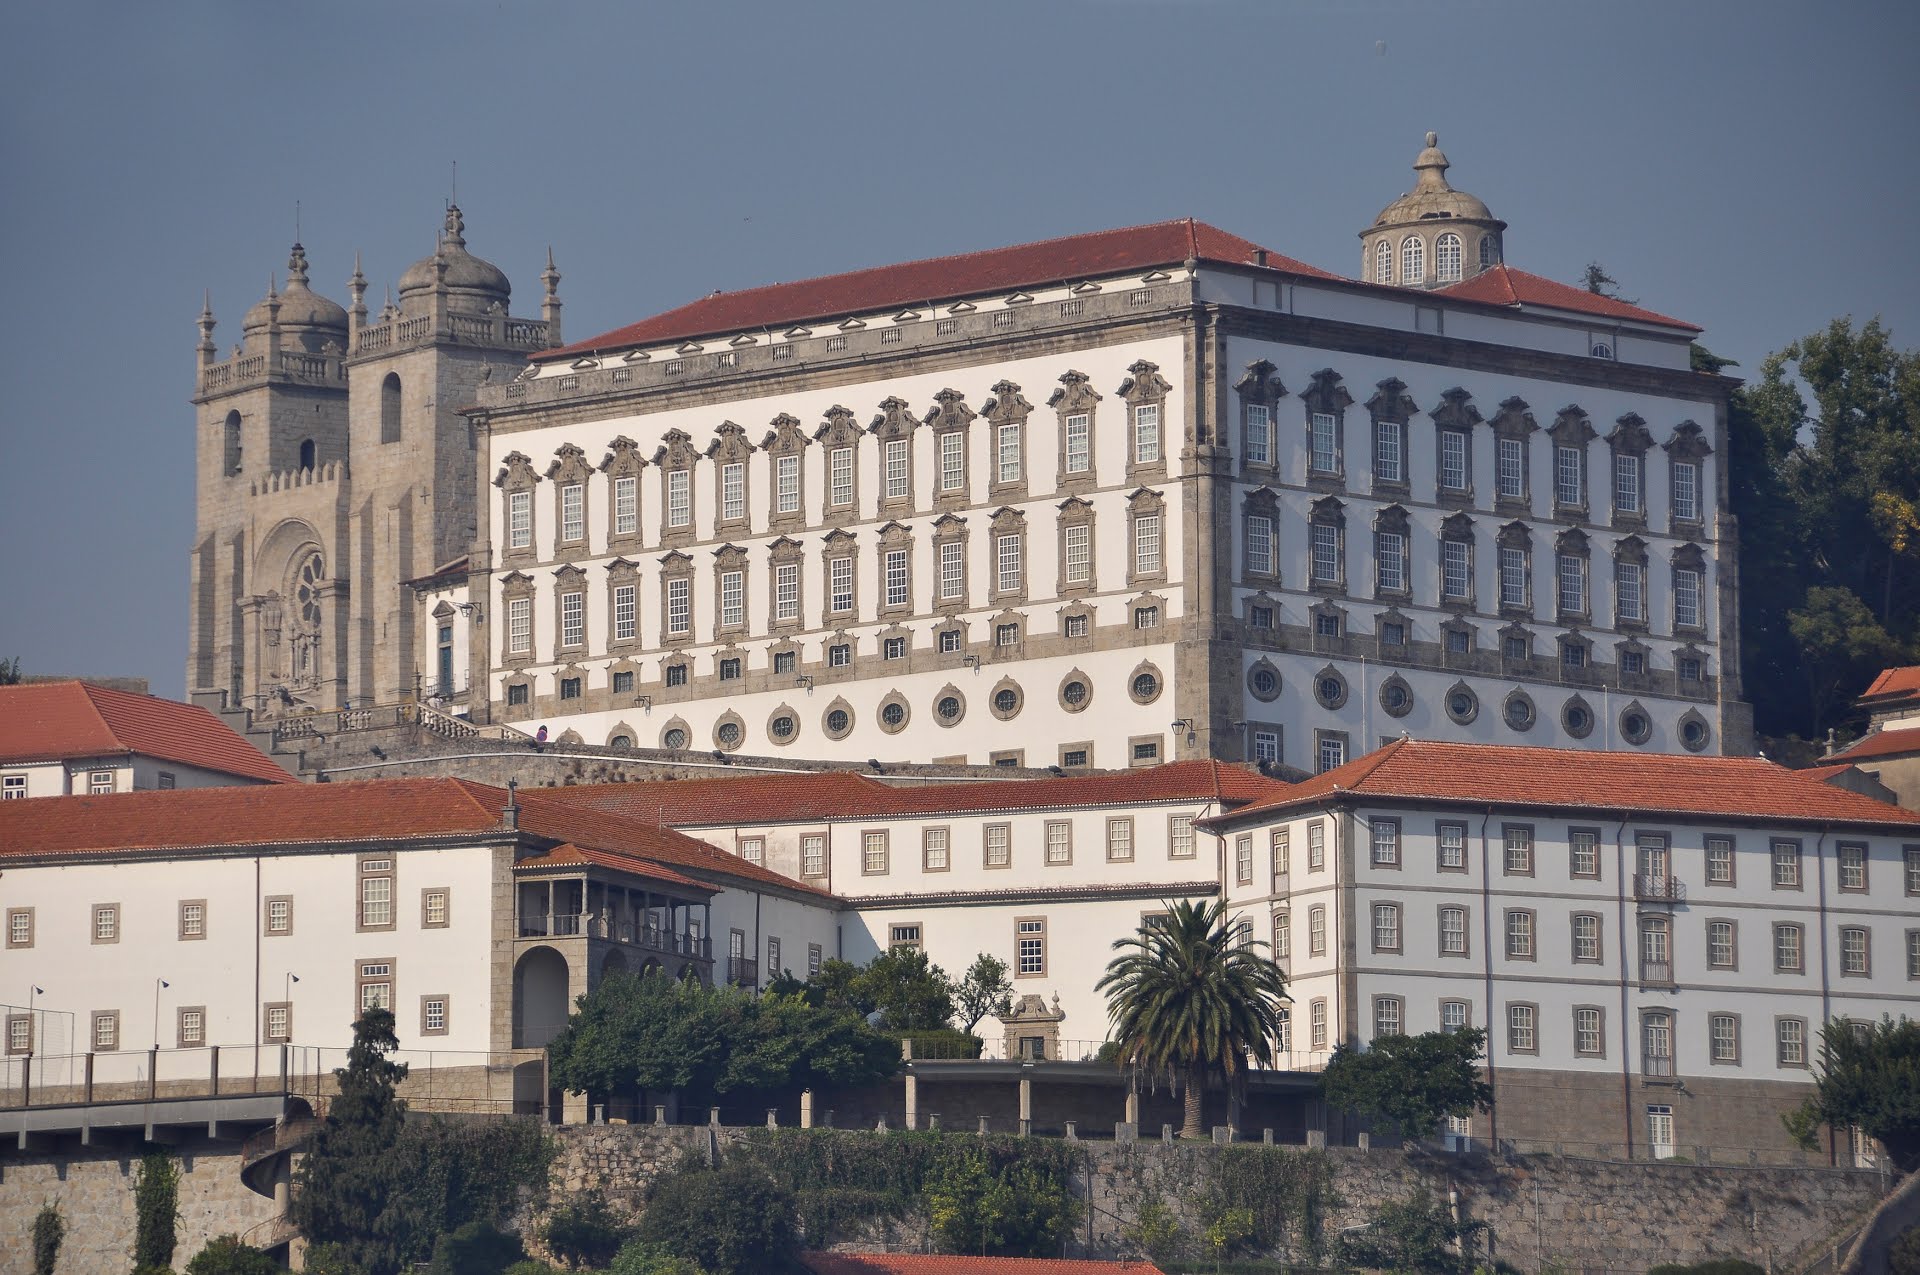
(1108,501)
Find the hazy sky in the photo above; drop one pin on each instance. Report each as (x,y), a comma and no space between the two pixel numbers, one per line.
(1745,165)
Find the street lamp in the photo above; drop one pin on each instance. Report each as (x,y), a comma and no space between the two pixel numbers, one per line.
(158,983)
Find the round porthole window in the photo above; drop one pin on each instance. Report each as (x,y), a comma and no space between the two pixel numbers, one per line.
(838,722)
(1635,726)
(1462,704)
(1396,698)
(1006,702)
(783,727)
(1144,686)
(894,715)
(1074,694)
(1264,681)
(948,709)
(620,741)
(1330,689)
(674,737)
(1518,712)
(1577,718)
(1694,734)
(728,734)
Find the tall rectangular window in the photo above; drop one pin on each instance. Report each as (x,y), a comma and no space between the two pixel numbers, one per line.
(1259,434)
(680,607)
(573,619)
(1853,865)
(1316,846)
(1723,1034)
(1389,460)
(1259,545)
(786,591)
(1630,590)
(1720,944)
(1454,1016)
(1521,1037)
(1686,491)
(1120,839)
(934,850)
(1788,954)
(1006,550)
(997,845)
(1511,454)
(1586,938)
(1008,453)
(1317,1024)
(626,506)
(680,498)
(1059,842)
(1453,460)
(953,461)
(1792,1042)
(1786,865)
(1390,548)
(520,625)
(573,511)
(1030,938)
(1079,553)
(1686,599)
(1573,583)
(733,490)
(1332,751)
(376,894)
(733,599)
(1386,927)
(1719,861)
(840,473)
(1146,544)
(1453,847)
(840,584)
(1518,851)
(1587,1031)
(898,593)
(873,853)
(1456,570)
(1568,487)
(1180,843)
(1386,843)
(1280,850)
(953,569)
(1146,434)
(1079,458)
(1266,746)
(1282,936)
(1583,853)
(1317,931)
(1453,931)
(1326,553)
(899,455)
(1519,934)
(1513,576)
(1628,494)
(1853,950)
(786,484)
(520,520)
(1325,453)
(625,612)
(1388,1016)
(813,856)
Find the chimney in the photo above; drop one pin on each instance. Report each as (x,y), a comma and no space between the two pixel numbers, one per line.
(511,815)
(1259,256)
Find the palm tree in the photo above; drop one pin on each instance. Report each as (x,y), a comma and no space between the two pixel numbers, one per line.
(1188,1002)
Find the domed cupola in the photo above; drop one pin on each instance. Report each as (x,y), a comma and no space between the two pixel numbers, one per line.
(307,320)
(1433,235)
(473,286)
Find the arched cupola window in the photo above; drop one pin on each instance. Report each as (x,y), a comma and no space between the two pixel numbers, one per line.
(1383,262)
(1413,260)
(1446,258)
(390,408)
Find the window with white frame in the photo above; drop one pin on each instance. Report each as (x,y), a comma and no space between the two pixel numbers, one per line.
(1316,846)
(1569,476)
(1853,865)
(573,511)
(192,1021)
(997,845)
(1266,746)
(1332,748)
(1259,434)
(840,476)
(1789,955)
(375,985)
(1456,570)
(1853,950)
(193,919)
(1723,1036)
(1583,852)
(1079,458)
(1519,934)
(953,461)
(1586,938)
(1146,434)
(1511,469)
(1389,451)
(786,484)
(13,787)
(626,506)
(1030,938)
(1721,945)
(1630,590)
(1317,930)
(1259,545)
(1686,491)
(1386,843)
(1008,453)
(1453,931)
(279,1022)
(1383,262)
(953,569)
(813,856)
(1686,598)
(1386,927)
(1513,576)
(1452,853)
(1446,258)
(1079,547)
(520,520)
(573,619)
(1326,553)
(733,490)
(898,582)
(1180,842)
(1453,460)
(1413,260)
(1120,839)
(433,1016)
(1719,861)
(1282,935)
(1324,448)
(753,849)
(934,849)
(1786,865)
(1629,484)
(1455,1016)
(873,852)
(679,606)
(786,591)
(1522,1035)
(840,585)
(376,893)
(1517,842)
(898,461)
(1911,855)
(1007,564)
(1059,841)
(1791,1037)
(625,612)
(1589,1037)
(679,498)
(1388,1016)
(1146,544)
(1572,572)
(1243,859)
(1317,1024)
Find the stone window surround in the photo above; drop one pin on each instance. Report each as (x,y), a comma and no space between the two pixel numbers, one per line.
(1260,386)
(266,916)
(1144,386)
(785,438)
(1779,930)
(1008,521)
(676,565)
(368,867)
(1326,396)
(1571,428)
(1734,942)
(1121,826)
(114,920)
(1515,421)
(183,934)
(1399,926)
(1573,543)
(1456,414)
(569,579)
(886,852)
(1534,1025)
(943,693)
(1393,519)
(27,912)
(993,697)
(1143,503)
(446,1014)
(1262,502)
(676,455)
(1083,746)
(1398,841)
(1439,829)
(950,414)
(1390,404)
(1136,742)
(12,1019)
(1075,512)
(838,431)
(1328,511)
(730,446)
(1457,528)
(988,831)
(1018,921)
(1690,557)
(1840,950)
(111,1019)
(894,423)
(361,980)
(1688,446)
(926,847)
(622,573)
(1779,1046)
(267,1034)
(1006,406)
(840,705)
(949,529)
(568,468)
(893,537)
(623,460)
(1630,437)
(1400,1009)
(517,475)
(180,1014)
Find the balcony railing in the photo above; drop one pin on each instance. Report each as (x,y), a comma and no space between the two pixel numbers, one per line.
(743,971)
(1658,972)
(1660,888)
(1656,1065)
(540,925)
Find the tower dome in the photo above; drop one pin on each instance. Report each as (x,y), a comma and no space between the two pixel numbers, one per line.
(1433,235)
(473,285)
(306,318)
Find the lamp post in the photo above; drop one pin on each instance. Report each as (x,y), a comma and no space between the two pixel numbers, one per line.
(33,1023)
(158,983)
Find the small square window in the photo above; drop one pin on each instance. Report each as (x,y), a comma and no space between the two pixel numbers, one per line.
(1146,752)
(434,909)
(13,787)
(894,648)
(1260,617)
(785,661)
(1393,633)
(840,655)
(730,668)
(1006,635)
(1459,642)
(1633,663)
(1076,626)
(676,675)
(1073,758)
(1326,626)
(623,682)
(950,641)
(569,688)
(1146,617)
(517,694)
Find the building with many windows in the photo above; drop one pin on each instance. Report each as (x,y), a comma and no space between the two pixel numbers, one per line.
(1111,500)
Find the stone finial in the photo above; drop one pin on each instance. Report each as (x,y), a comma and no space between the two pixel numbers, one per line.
(551,276)
(297,266)
(550,303)
(1432,166)
(455,232)
(206,346)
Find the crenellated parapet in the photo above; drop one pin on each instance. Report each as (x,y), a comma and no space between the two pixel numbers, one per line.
(334,471)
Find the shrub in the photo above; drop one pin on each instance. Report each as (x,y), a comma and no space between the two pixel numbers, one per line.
(583,1232)
(1157,1232)
(529,1266)
(49,1229)
(942,1042)
(1020,1211)
(226,1255)
(642,1258)
(734,1220)
(476,1248)
(1714,1266)
(156,1203)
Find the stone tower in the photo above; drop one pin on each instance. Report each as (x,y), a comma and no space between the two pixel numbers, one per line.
(333,466)
(1433,235)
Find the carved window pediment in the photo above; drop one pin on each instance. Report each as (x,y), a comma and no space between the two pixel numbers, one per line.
(1689,557)
(1328,510)
(1074,509)
(516,473)
(949,525)
(623,569)
(516,584)
(1515,535)
(570,465)
(1571,428)
(1144,384)
(676,451)
(1260,384)
(1007,520)
(1263,500)
(570,576)
(1325,393)
(1689,442)
(839,428)
(839,542)
(623,458)
(729,443)
(1631,549)
(1456,410)
(852,325)
(1456,527)
(1145,500)
(896,419)
(676,563)
(895,535)
(1630,436)
(730,557)
(786,438)
(1007,406)
(1514,419)
(444,611)
(950,411)
(1391,402)
(798,333)
(786,549)
(1393,518)
(1572,541)
(1076,393)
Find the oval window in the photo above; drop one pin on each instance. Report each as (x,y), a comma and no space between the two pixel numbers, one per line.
(784,727)
(674,738)
(1266,683)
(728,734)
(1519,713)
(1005,701)
(1395,697)
(948,708)
(1636,728)
(1146,686)
(838,721)
(894,714)
(1074,693)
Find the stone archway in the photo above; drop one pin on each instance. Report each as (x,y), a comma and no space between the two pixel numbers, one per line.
(540,1000)
(614,962)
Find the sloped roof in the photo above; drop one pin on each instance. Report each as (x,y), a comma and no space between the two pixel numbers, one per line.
(1894,684)
(932,1264)
(752,799)
(1743,788)
(567,855)
(1503,285)
(938,279)
(73,721)
(1893,741)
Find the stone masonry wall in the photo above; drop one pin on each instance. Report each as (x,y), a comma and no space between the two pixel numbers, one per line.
(1545,1211)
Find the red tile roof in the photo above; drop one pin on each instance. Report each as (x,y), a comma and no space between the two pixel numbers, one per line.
(749,799)
(940,279)
(1894,684)
(71,721)
(1503,285)
(930,1264)
(566,855)
(1663,783)
(1895,742)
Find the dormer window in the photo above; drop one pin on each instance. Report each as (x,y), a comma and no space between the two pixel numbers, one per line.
(1601,350)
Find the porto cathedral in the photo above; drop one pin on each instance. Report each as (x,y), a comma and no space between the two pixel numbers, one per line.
(1101,501)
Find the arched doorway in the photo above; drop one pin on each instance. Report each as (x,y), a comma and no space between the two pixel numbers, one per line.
(539,997)
(613,963)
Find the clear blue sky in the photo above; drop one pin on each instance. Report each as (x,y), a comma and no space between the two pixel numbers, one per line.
(1747,165)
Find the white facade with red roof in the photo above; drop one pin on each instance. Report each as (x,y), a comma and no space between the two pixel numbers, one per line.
(1111,500)
(58,738)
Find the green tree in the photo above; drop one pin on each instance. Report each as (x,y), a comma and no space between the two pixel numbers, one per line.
(1188,1002)
(1416,1234)
(1596,280)
(476,1248)
(345,1187)
(910,992)
(1020,1211)
(1842,645)
(156,1203)
(638,1257)
(583,1232)
(49,1230)
(1410,1082)
(733,1220)
(226,1255)
(10,672)
(1867,1077)
(1156,1232)
(984,989)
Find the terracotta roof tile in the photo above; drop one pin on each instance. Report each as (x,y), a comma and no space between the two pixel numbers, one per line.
(729,799)
(61,721)
(938,279)
(1503,285)
(567,855)
(1886,742)
(1894,684)
(930,1264)
(1496,775)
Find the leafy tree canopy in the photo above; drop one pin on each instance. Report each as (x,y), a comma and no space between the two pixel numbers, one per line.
(1019,1211)
(1416,1234)
(1868,1077)
(984,990)
(1410,1082)
(226,1255)
(733,1220)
